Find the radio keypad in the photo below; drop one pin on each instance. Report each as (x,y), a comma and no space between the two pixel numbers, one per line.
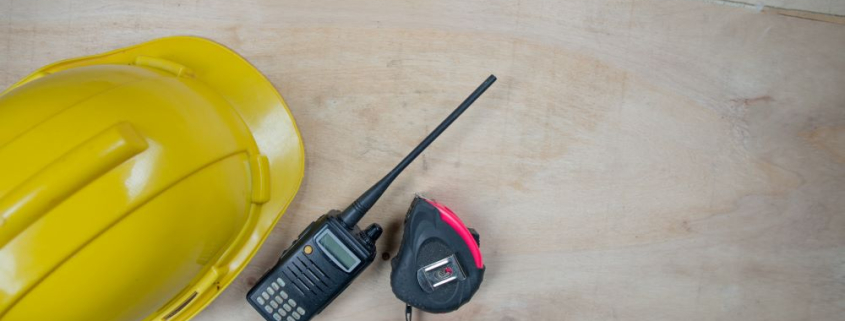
(276,302)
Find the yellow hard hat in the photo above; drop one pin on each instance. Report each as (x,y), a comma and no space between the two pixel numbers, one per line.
(136,184)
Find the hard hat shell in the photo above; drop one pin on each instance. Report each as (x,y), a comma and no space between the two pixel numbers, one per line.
(136,184)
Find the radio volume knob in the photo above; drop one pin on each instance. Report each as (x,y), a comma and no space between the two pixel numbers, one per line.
(373,232)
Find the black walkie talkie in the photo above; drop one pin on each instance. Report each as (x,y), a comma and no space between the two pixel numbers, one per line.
(332,250)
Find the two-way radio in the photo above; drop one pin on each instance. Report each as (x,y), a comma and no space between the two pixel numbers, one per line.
(332,251)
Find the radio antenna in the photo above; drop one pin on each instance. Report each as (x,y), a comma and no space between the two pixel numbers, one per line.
(352,214)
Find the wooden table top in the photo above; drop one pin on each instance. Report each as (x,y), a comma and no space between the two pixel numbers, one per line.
(636,160)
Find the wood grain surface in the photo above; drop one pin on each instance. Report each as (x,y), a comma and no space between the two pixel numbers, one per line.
(637,160)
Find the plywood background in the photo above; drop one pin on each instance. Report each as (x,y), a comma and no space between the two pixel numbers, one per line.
(637,160)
